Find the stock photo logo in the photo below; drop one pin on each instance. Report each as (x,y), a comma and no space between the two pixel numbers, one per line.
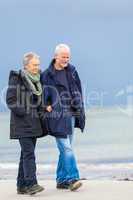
(124,100)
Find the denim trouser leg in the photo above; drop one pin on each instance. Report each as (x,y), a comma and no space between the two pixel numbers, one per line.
(67,167)
(27,165)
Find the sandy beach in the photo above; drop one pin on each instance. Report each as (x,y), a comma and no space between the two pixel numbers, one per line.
(93,190)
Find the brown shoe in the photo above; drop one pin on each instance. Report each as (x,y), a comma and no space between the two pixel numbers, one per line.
(64,185)
(74,185)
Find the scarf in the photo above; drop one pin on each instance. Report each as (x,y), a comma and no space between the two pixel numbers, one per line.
(32,81)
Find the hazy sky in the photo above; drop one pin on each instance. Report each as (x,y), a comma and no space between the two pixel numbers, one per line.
(99,32)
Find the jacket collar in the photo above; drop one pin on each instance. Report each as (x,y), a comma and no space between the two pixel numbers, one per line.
(51,68)
(51,71)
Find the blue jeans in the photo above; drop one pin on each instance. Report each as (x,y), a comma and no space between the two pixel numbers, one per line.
(67,168)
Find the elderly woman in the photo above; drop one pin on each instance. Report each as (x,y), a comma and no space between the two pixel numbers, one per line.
(24,100)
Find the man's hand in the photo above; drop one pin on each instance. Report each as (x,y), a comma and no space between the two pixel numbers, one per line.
(49,108)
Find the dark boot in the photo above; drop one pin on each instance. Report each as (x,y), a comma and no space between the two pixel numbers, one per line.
(22,190)
(34,189)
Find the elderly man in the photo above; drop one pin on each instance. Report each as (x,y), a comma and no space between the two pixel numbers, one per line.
(65,110)
(24,99)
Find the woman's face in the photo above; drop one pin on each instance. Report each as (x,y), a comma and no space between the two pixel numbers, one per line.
(33,66)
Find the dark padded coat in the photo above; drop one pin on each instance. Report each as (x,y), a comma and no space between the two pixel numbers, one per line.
(24,106)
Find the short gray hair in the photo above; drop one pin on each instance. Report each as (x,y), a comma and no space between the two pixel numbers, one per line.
(28,56)
(59,48)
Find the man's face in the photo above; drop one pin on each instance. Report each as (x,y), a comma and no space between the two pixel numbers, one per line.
(62,58)
(34,66)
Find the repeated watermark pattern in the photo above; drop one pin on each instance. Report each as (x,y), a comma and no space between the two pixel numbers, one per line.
(122,99)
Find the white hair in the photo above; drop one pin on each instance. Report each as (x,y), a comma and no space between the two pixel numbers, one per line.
(61,47)
(28,56)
